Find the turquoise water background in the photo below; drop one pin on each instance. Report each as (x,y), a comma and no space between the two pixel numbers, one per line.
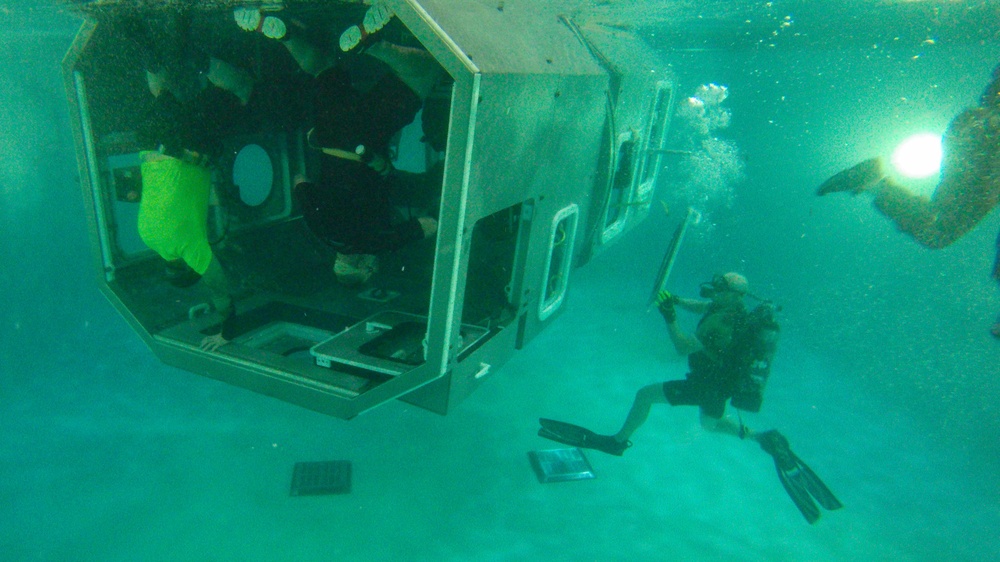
(885,381)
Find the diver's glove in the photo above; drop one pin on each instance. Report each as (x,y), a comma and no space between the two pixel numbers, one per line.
(666,303)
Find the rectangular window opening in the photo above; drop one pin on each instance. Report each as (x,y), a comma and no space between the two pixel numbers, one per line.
(560,259)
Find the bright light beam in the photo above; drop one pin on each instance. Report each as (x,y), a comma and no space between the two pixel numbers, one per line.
(919,156)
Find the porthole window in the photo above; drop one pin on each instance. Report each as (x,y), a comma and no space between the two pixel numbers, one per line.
(253,175)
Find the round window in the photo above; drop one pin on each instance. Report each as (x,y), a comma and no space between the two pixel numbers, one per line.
(253,174)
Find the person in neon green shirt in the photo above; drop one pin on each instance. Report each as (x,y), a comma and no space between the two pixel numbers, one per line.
(173,221)
(173,212)
(197,98)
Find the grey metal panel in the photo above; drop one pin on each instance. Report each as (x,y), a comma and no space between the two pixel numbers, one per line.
(346,347)
(69,64)
(535,131)
(436,40)
(280,377)
(91,192)
(525,36)
(535,136)
(451,261)
(257,378)
(526,115)
(533,271)
(468,375)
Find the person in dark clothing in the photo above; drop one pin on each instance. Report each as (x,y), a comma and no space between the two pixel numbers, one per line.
(351,206)
(728,344)
(714,359)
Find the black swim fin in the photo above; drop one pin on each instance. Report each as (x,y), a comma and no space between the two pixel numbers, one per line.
(577,436)
(798,479)
(856,179)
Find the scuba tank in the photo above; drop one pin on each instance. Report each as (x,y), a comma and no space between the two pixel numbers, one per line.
(759,341)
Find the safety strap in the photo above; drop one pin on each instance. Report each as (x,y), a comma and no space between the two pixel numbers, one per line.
(373,161)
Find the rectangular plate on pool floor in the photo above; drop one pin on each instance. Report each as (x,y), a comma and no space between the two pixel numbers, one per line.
(560,465)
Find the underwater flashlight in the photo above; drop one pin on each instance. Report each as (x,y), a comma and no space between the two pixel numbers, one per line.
(919,156)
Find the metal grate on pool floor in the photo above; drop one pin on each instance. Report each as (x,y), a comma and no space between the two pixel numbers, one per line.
(321,478)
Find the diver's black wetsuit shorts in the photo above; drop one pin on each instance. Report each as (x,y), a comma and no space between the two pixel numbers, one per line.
(708,386)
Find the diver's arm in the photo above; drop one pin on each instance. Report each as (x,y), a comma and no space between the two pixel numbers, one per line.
(215,279)
(693,305)
(684,343)
(217,282)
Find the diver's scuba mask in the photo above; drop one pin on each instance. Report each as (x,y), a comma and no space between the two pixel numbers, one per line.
(717,285)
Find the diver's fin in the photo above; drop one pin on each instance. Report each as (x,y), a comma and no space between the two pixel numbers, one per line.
(796,489)
(817,488)
(856,179)
(577,436)
(798,479)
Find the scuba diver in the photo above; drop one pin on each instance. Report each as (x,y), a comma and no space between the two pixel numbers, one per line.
(729,357)
(968,190)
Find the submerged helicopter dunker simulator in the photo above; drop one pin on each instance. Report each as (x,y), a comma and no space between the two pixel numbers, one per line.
(552,129)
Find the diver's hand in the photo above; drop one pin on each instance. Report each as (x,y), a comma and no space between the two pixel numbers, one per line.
(666,296)
(212,343)
(429,226)
(666,303)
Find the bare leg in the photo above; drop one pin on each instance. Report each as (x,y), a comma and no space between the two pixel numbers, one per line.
(968,190)
(932,222)
(415,67)
(230,78)
(970,179)
(215,279)
(157,82)
(644,400)
(913,214)
(311,59)
(723,425)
